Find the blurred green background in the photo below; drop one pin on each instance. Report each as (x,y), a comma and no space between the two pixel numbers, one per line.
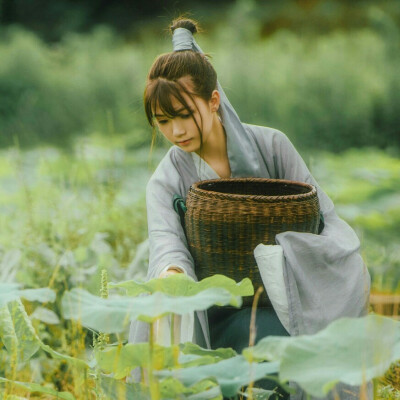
(74,143)
(326,72)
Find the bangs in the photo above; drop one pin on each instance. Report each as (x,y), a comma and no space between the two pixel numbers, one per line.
(160,93)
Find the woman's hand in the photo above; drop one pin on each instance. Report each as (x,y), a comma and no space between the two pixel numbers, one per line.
(162,327)
(172,270)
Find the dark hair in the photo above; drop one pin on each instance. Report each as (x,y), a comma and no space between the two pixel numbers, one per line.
(162,81)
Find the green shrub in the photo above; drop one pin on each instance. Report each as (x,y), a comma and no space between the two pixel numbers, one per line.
(83,85)
(331,91)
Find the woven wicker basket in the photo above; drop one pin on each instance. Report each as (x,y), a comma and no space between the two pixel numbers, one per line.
(227,218)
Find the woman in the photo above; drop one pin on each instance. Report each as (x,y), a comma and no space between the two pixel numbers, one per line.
(323,276)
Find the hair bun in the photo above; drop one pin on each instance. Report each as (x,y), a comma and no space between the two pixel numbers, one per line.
(186,23)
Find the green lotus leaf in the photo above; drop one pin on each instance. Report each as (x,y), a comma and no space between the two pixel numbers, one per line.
(349,350)
(191,360)
(36,388)
(183,285)
(222,353)
(194,355)
(18,335)
(116,389)
(270,348)
(121,360)
(16,331)
(231,374)
(45,315)
(213,393)
(172,389)
(257,394)
(10,292)
(112,315)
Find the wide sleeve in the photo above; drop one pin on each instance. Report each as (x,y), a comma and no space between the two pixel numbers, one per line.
(167,240)
(325,275)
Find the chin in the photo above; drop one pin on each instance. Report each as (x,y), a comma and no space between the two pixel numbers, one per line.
(189,149)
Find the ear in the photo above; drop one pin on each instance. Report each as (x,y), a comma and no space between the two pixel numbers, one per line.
(215,101)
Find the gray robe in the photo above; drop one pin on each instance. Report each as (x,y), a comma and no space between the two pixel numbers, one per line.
(324,274)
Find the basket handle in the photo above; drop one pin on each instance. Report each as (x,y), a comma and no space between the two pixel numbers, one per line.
(180,207)
(321,223)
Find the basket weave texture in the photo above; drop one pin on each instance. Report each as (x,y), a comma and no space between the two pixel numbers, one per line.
(227,218)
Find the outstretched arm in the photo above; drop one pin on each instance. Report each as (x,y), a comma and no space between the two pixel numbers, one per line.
(167,240)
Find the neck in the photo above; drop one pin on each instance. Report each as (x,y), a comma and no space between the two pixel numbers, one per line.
(214,147)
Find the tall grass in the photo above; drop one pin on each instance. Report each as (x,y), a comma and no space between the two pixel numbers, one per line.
(65,217)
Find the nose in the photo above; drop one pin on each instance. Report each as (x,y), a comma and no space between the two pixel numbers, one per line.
(177,128)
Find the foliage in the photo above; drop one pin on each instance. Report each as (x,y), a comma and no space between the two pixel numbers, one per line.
(34,387)
(64,218)
(364,185)
(121,360)
(116,313)
(84,85)
(10,292)
(231,374)
(389,393)
(355,358)
(182,285)
(346,351)
(329,91)
(19,336)
(298,16)
(67,217)
(392,377)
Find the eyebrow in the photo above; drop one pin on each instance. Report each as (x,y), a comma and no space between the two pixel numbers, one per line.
(177,111)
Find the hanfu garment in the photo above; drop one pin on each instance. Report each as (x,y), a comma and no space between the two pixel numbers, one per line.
(324,275)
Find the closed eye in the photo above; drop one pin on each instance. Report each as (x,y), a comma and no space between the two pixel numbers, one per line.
(183,116)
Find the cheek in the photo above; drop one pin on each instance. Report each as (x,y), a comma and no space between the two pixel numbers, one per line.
(191,127)
(165,132)
(163,129)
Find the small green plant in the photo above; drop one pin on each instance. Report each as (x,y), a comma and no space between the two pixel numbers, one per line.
(90,220)
(185,370)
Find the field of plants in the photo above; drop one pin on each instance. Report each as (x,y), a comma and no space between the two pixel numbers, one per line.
(74,162)
(74,222)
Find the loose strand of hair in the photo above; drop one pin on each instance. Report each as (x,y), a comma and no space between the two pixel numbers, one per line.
(200,130)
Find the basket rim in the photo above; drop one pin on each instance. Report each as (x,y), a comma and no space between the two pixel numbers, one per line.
(195,189)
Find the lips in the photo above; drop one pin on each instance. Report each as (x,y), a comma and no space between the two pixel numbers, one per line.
(184,142)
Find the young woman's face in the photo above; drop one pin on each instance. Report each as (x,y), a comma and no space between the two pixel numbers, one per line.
(182,130)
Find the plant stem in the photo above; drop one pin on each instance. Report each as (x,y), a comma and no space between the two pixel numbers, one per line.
(153,383)
(172,329)
(253,333)
(375,383)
